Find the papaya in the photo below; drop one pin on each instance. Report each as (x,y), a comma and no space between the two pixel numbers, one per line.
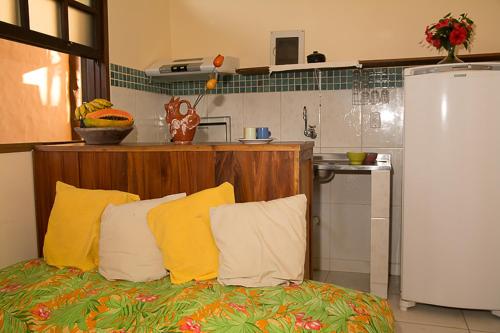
(108,118)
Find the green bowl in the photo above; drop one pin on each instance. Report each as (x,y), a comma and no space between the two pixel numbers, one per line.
(356,158)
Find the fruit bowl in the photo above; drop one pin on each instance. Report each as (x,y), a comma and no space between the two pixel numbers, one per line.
(103,135)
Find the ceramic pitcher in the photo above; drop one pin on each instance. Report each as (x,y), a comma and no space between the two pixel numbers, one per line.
(182,127)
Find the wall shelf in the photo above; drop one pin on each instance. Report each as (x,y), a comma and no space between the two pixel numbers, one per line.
(317,65)
(484,57)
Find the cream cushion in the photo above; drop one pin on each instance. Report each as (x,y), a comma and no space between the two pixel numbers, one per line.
(261,243)
(127,248)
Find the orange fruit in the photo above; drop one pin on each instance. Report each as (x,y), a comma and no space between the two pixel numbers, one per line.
(219,60)
(211,84)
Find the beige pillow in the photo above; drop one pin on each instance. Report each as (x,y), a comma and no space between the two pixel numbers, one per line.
(127,248)
(261,243)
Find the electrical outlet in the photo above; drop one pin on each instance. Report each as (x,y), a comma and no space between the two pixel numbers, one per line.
(375,120)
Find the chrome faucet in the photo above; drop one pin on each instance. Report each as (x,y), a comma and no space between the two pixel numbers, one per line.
(309,130)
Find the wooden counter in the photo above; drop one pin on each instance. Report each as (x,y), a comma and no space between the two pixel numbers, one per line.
(258,172)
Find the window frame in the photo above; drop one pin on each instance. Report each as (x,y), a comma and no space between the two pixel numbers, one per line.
(94,61)
(22,33)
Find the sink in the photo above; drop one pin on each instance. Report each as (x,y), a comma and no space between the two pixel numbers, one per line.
(325,165)
(323,176)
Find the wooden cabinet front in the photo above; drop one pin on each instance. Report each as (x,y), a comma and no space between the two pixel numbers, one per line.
(156,171)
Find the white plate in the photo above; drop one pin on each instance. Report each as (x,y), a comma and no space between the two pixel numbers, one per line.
(255,141)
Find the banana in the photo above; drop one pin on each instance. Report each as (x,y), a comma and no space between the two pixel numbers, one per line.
(98,105)
(92,106)
(77,113)
(104,102)
(87,108)
(80,112)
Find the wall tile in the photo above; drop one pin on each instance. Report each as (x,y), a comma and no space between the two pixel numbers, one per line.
(150,113)
(228,105)
(397,171)
(330,150)
(263,110)
(350,232)
(351,188)
(150,105)
(390,133)
(321,237)
(381,193)
(396,222)
(124,98)
(201,108)
(340,122)
(292,122)
(380,236)
(322,192)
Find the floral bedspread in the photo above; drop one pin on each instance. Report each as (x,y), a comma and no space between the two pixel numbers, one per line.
(35,297)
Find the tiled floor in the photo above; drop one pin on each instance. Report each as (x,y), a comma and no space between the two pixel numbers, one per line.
(421,318)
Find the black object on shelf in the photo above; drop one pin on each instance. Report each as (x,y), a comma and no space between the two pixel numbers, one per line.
(316,57)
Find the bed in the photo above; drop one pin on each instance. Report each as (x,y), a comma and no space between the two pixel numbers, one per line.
(36,297)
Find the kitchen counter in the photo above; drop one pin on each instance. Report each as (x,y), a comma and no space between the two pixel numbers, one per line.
(206,146)
(325,165)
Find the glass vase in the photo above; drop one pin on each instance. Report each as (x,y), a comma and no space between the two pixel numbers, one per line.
(451,58)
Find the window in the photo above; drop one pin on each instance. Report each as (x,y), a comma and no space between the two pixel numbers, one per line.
(36,93)
(77,31)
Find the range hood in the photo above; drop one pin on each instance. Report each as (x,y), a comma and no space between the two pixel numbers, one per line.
(190,69)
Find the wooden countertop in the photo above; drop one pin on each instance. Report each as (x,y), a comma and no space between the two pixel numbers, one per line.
(209,146)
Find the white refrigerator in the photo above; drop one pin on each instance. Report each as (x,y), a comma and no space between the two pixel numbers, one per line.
(451,187)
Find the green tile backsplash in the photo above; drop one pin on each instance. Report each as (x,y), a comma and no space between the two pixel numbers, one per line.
(131,78)
(331,79)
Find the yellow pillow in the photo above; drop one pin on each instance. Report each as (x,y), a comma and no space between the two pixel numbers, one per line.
(182,231)
(72,237)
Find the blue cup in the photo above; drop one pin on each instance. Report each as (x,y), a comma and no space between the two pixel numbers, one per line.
(263,133)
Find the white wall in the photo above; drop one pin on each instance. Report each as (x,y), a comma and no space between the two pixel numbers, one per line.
(341,29)
(139,32)
(17,209)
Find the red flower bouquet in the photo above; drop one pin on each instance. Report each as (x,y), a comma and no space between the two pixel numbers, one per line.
(449,33)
